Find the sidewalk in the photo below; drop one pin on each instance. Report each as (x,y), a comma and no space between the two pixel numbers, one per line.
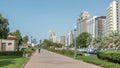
(47,59)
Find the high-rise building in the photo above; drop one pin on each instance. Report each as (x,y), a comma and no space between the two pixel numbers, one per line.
(118,13)
(99,21)
(70,37)
(63,40)
(81,22)
(111,23)
(91,26)
(52,36)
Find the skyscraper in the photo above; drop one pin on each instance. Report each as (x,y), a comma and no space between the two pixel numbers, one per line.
(118,13)
(70,37)
(63,40)
(111,23)
(91,26)
(81,22)
(52,36)
(99,21)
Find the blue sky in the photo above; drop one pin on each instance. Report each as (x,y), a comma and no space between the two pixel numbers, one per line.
(36,17)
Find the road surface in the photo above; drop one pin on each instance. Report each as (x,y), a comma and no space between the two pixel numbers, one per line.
(46,59)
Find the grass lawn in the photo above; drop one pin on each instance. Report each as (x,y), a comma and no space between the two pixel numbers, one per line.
(95,60)
(11,61)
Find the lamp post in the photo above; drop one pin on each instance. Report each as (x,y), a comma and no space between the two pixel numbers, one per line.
(75,43)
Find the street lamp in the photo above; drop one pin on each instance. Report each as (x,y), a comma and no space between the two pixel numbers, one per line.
(75,43)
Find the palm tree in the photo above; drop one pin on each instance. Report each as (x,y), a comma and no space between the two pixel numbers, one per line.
(97,42)
(116,40)
(112,41)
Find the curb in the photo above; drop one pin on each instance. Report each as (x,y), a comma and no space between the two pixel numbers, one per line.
(23,65)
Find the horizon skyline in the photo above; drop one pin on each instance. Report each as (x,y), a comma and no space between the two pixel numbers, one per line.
(36,18)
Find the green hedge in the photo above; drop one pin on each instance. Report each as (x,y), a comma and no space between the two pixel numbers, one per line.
(64,52)
(109,55)
(11,53)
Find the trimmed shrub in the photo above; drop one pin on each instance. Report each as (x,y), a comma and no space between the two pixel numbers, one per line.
(11,53)
(51,49)
(28,51)
(109,55)
(63,52)
(69,52)
(80,53)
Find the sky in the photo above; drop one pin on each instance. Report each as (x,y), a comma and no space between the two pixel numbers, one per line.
(36,17)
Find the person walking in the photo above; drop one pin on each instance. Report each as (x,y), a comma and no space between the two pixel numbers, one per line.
(39,50)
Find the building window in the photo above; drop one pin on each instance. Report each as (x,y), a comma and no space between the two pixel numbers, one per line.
(9,44)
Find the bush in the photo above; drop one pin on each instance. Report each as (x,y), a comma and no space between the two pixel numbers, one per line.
(11,53)
(98,62)
(51,49)
(69,52)
(109,55)
(33,49)
(80,53)
(27,50)
(63,52)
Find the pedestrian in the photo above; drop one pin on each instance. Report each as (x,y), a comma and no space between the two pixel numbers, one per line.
(39,50)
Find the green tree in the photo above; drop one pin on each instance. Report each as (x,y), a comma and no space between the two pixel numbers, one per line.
(17,34)
(81,40)
(47,43)
(89,40)
(4,29)
(57,45)
(25,39)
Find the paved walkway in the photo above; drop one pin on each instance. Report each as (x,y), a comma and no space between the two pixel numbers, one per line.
(47,59)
